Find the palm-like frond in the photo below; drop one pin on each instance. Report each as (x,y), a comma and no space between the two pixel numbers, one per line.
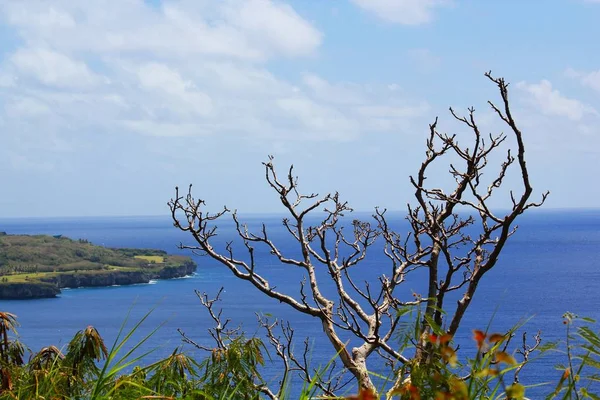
(86,347)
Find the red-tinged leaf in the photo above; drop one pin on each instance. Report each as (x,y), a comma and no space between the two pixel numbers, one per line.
(479,337)
(449,355)
(411,390)
(561,381)
(496,338)
(367,394)
(505,358)
(445,339)
(458,388)
(363,394)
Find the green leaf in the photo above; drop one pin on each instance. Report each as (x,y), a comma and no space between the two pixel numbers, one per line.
(515,391)
(435,327)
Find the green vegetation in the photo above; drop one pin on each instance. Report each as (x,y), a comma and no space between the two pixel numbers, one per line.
(86,368)
(152,259)
(39,265)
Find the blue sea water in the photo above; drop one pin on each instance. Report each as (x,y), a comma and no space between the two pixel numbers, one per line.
(550,266)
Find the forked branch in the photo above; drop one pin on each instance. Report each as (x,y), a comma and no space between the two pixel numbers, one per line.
(455,235)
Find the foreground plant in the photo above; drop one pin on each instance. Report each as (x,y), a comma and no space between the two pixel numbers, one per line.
(580,376)
(232,366)
(11,351)
(232,370)
(89,370)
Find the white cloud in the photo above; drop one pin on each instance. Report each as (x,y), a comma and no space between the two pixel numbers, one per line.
(108,92)
(389,111)
(284,30)
(54,69)
(344,93)
(183,97)
(161,77)
(232,77)
(317,119)
(26,107)
(87,72)
(551,102)
(6,80)
(406,12)
(424,59)
(592,80)
(164,129)
(243,29)
(23,163)
(589,79)
(37,16)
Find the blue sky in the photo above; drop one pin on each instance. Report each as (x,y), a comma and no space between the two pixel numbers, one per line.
(106,106)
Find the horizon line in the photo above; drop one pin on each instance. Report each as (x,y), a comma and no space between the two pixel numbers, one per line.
(266,213)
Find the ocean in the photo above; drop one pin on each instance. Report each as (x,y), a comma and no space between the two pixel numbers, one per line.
(550,266)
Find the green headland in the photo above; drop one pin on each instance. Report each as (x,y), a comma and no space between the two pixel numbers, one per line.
(39,266)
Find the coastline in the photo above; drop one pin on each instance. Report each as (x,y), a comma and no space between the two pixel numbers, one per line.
(42,289)
(40,266)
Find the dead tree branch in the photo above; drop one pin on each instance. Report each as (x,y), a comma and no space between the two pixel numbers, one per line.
(454,235)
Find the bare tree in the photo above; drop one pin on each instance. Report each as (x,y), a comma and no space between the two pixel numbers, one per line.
(440,241)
